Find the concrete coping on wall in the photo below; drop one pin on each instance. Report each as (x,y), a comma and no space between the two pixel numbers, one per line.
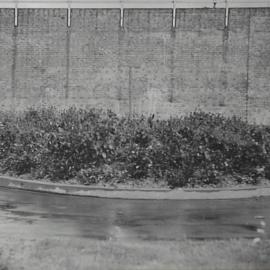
(128,193)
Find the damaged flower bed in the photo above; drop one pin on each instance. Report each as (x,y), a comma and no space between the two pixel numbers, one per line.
(97,147)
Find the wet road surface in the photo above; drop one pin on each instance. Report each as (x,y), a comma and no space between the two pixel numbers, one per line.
(33,213)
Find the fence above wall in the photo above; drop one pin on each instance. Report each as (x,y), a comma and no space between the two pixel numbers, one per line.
(133,3)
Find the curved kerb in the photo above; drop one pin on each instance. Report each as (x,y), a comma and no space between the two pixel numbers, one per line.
(142,194)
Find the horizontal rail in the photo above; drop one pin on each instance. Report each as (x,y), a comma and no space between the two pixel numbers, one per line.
(133,4)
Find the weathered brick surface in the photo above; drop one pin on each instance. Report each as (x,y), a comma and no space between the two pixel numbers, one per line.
(237,60)
(40,72)
(144,67)
(200,76)
(259,66)
(6,54)
(94,59)
(145,60)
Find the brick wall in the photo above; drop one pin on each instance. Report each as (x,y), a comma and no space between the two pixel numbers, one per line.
(7,49)
(144,67)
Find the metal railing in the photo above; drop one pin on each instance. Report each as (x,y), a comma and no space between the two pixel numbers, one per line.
(133,3)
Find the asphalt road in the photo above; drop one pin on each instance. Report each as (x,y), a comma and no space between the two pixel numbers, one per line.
(33,213)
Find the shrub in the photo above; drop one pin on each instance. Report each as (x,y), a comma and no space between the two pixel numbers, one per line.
(198,149)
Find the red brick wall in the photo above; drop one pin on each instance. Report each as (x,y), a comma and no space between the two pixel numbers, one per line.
(145,67)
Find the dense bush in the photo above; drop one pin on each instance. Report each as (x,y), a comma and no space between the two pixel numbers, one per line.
(94,146)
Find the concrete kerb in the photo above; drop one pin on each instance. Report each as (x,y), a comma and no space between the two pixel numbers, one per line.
(141,194)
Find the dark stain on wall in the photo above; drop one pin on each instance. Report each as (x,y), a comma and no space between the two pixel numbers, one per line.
(67,63)
(14,61)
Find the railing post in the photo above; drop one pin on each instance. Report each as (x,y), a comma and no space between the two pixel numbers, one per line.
(226,13)
(121,14)
(16,14)
(69,14)
(174,14)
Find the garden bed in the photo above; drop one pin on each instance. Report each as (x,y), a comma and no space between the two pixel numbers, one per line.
(94,147)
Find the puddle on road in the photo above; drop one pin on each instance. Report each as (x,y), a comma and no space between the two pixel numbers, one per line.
(7,206)
(205,216)
(249,227)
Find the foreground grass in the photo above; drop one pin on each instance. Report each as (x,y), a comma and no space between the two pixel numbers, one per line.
(80,254)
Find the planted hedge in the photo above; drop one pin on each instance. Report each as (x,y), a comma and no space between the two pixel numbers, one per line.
(94,146)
